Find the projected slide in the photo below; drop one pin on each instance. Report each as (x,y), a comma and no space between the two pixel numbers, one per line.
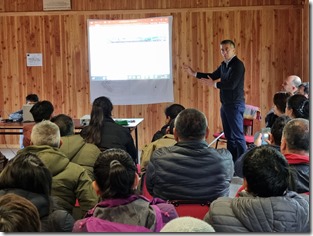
(130,61)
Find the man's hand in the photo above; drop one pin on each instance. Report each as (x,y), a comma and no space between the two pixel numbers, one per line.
(189,70)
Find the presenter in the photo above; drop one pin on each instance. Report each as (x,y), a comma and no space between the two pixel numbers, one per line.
(231,73)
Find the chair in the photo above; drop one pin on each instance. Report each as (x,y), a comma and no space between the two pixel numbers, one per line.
(144,189)
(192,208)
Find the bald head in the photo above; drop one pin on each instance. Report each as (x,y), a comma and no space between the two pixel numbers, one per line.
(291,84)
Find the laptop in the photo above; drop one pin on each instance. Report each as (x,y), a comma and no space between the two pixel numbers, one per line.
(27,116)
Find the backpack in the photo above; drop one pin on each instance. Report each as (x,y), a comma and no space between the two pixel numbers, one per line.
(3,161)
(95,224)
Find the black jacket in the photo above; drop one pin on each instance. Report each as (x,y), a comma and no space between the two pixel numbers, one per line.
(232,81)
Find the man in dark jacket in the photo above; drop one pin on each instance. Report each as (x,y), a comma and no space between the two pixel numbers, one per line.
(266,204)
(190,170)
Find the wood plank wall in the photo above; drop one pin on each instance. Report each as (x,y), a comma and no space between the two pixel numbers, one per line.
(272,39)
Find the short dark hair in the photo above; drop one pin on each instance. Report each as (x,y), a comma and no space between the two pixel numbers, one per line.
(280,99)
(300,106)
(32,98)
(191,124)
(17,214)
(228,41)
(42,110)
(266,171)
(306,87)
(297,134)
(26,171)
(277,128)
(114,173)
(173,110)
(65,124)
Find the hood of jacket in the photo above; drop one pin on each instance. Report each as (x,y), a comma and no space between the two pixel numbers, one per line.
(71,145)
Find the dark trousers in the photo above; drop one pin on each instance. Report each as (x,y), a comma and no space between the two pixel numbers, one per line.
(232,120)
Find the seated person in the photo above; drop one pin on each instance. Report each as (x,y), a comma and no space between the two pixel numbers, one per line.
(17,214)
(274,140)
(298,106)
(187,224)
(304,89)
(69,180)
(74,146)
(16,177)
(121,210)
(41,111)
(170,114)
(167,140)
(266,205)
(295,145)
(104,132)
(190,170)
(18,115)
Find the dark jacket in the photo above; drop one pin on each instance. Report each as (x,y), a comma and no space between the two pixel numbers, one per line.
(246,213)
(160,133)
(232,80)
(115,136)
(189,171)
(52,219)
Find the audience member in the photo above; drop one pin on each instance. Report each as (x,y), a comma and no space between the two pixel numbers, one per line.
(290,85)
(274,140)
(304,89)
(266,205)
(170,112)
(74,146)
(69,180)
(190,170)
(41,111)
(121,210)
(165,141)
(27,168)
(187,224)
(104,132)
(298,107)
(295,145)
(18,115)
(17,214)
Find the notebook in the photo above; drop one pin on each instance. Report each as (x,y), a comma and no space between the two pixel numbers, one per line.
(27,116)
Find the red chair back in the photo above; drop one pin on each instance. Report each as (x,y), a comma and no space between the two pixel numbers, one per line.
(196,209)
(144,188)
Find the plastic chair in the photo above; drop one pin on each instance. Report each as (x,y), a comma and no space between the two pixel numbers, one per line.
(192,208)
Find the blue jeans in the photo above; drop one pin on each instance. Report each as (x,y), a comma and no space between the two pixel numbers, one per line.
(232,120)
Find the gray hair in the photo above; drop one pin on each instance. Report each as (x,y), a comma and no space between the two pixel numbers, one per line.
(46,133)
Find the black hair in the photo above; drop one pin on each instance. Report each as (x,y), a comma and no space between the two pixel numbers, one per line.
(101,108)
(278,127)
(173,110)
(228,41)
(266,171)
(65,124)
(114,173)
(300,106)
(26,171)
(306,87)
(42,110)
(32,97)
(191,124)
(280,100)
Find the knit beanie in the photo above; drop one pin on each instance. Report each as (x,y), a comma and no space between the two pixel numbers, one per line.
(187,224)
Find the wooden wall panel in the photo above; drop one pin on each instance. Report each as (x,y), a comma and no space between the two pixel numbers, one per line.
(271,36)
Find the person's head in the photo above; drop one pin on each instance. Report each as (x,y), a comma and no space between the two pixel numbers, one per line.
(46,133)
(101,108)
(291,84)
(298,107)
(296,137)
(279,101)
(32,98)
(304,89)
(227,47)
(115,174)
(187,224)
(65,124)
(172,111)
(265,172)
(26,171)
(277,129)
(190,124)
(17,214)
(42,111)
